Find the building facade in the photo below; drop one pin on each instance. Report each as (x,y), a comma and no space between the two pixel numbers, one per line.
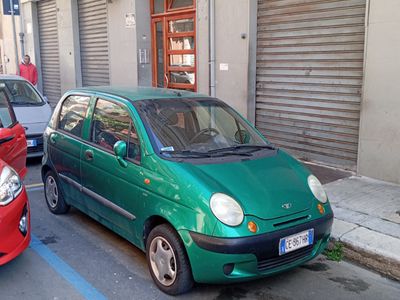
(318,78)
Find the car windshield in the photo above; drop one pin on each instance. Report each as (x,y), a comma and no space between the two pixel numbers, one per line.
(198,128)
(22,93)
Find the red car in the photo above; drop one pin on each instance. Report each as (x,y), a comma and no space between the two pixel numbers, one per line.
(14,206)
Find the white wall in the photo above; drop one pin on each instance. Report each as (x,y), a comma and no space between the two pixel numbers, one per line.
(232,20)
(379,150)
(122,44)
(68,40)
(7,42)
(202,45)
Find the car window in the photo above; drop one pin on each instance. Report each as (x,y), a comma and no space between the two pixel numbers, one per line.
(6,119)
(112,123)
(72,115)
(23,93)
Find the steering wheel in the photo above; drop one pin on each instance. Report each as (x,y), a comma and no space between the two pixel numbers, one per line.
(203,131)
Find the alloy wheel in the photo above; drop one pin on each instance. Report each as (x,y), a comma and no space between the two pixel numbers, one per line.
(163,261)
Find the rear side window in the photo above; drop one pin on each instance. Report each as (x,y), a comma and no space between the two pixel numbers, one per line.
(112,123)
(6,118)
(72,115)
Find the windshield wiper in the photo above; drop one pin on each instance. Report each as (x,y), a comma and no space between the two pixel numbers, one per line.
(186,153)
(243,146)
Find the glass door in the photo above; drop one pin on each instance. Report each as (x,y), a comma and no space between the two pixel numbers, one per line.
(174,45)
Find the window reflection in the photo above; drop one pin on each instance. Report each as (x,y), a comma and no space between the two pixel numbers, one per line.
(183,25)
(112,123)
(182,77)
(182,60)
(158,6)
(181,43)
(72,114)
(181,3)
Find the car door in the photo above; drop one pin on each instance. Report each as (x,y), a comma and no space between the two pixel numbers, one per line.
(113,189)
(12,137)
(64,145)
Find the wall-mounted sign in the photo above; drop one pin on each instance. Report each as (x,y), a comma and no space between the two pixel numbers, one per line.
(144,56)
(7,7)
(130,21)
(224,67)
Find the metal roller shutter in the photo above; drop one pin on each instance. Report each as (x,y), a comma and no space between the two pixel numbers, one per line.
(49,51)
(309,77)
(94,42)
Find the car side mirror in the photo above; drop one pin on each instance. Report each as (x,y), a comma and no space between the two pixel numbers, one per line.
(120,153)
(6,135)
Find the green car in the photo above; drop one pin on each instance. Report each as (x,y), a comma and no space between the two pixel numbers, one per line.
(186,179)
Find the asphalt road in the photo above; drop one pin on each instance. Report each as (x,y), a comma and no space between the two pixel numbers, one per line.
(73,257)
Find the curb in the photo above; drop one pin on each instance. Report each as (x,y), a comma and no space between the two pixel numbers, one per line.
(383,265)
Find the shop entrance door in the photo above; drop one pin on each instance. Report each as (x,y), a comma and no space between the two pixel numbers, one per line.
(174,45)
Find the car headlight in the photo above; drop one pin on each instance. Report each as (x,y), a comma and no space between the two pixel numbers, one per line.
(226,209)
(10,185)
(317,189)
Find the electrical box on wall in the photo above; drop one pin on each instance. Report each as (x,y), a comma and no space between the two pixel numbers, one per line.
(144,56)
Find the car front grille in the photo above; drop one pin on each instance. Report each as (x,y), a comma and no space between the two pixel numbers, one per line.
(288,258)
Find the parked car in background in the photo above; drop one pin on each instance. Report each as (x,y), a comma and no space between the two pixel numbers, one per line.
(31,109)
(186,179)
(14,205)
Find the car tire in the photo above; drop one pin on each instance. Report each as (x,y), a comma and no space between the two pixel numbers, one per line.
(54,199)
(171,260)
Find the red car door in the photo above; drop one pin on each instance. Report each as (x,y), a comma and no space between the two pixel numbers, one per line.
(12,136)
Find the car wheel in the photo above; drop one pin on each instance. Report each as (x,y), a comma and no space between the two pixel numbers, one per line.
(168,262)
(54,198)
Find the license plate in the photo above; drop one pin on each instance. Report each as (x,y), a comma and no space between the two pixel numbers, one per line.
(296,241)
(31,143)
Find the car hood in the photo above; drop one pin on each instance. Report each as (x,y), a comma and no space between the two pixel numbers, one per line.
(269,188)
(33,118)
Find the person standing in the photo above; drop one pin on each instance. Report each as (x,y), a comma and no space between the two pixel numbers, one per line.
(28,70)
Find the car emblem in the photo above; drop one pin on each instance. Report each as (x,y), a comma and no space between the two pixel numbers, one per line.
(287,205)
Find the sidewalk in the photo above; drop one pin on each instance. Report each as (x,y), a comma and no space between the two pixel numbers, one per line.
(367,218)
(367,222)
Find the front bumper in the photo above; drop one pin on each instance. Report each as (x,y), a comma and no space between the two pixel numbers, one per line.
(13,242)
(219,260)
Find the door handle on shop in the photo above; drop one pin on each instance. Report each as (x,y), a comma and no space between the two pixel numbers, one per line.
(89,155)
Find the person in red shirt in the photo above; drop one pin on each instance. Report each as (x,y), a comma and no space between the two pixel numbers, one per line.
(28,70)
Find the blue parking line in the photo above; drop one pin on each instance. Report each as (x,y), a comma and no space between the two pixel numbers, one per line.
(68,273)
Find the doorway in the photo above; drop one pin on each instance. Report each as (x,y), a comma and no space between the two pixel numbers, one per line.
(173,25)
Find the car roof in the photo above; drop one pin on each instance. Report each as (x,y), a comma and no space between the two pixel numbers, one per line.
(138,93)
(11,77)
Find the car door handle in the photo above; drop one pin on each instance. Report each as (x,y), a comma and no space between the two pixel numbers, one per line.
(7,139)
(89,155)
(53,138)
